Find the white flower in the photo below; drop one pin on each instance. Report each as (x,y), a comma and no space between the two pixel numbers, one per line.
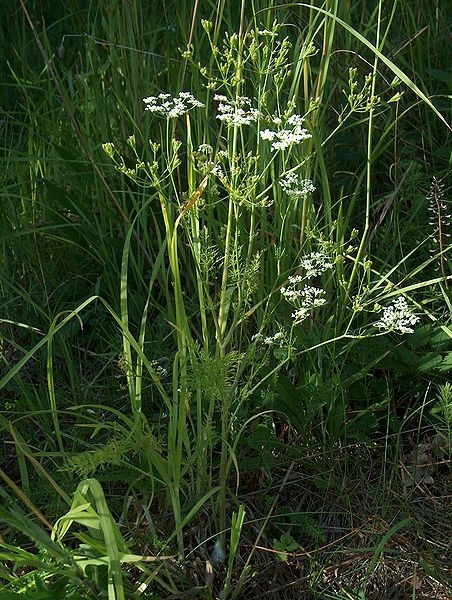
(218,172)
(290,294)
(268,33)
(284,138)
(236,112)
(305,300)
(315,264)
(397,317)
(205,149)
(268,134)
(293,279)
(278,338)
(311,298)
(169,107)
(295,120)
(294,187)
(299,315)
(270,341)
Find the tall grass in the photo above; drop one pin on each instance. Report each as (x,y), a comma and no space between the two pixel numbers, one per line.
(180,282)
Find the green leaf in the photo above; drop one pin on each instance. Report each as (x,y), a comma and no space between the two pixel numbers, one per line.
(289,402)
(262,439)
(429,361)
(446,364)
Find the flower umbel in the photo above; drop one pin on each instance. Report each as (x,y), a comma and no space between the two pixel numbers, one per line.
(278,339)
(236,112)
(284,138)
(168,107)
(305,300)
(294,187)
(315,264)
(398,317)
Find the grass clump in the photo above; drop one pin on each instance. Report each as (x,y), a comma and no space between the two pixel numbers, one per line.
(226,335)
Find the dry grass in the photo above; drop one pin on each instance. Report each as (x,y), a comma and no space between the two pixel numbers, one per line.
(365,536)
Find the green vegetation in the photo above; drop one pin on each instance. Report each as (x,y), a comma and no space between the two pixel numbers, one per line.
(226,316)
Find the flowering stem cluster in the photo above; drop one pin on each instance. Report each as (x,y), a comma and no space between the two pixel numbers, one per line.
(260,153)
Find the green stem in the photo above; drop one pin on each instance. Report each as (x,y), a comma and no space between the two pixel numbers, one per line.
(225,301)
(363,242)
(178,416)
